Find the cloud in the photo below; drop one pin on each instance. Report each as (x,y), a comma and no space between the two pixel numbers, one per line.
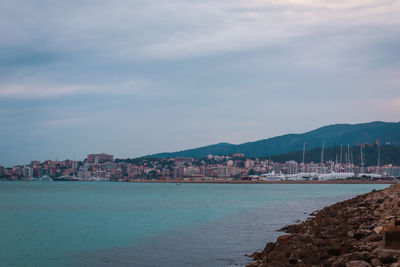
(90,37)
(178,73)
(135,29)
(29,91)
(42,89)
(67,122)
(221,27)
(393,105)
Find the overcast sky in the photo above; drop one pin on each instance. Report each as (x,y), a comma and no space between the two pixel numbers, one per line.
(133,78)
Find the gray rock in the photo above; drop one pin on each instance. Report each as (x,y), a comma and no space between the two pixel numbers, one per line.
(358,264)
(376,262)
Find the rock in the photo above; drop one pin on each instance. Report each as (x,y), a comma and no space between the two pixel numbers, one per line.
(378,229)
(358,264)
(389,217)
(386,256)
(347,233)
(376,262)
(350,234)
(293,261)
(256,255)
(254,264)
(375,238)
(360,234)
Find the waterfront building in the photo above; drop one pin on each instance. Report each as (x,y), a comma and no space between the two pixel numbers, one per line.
(109,166)
(43,172)
(53,171)
(291,167)
(27,172)
(35,163)
(208,171)
(249,163)
(84,174)
(192,171)
(179,171)
(227,171)
(67,172)
(102,166)
(222,171)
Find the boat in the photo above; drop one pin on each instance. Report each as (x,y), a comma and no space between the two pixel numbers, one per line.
(45,178)
(335,175)
(370,175)
(271,176)
(67,178)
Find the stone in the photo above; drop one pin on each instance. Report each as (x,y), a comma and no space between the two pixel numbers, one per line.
(348,233)
(358,264)
(378,229)
(253,264)
(383,253)
(376,262)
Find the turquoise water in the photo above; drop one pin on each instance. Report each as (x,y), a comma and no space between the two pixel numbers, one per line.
(131,224)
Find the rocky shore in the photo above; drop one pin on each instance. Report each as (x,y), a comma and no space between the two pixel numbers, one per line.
(348,233)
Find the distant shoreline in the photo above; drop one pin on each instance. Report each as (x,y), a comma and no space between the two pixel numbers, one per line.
(340,181)
(175,181)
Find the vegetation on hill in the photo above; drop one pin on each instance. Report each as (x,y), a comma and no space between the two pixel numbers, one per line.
(352,134)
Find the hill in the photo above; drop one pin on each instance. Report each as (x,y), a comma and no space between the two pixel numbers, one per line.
(352,134)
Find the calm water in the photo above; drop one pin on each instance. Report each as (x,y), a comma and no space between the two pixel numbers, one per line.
(126,224)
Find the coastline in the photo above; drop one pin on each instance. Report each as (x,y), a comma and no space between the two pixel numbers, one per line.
(338,181)
(222,181)
(348,233)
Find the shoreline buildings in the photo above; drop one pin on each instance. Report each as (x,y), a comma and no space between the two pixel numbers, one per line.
(238,166)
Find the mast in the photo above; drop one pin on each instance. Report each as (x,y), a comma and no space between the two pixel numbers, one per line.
(322,152)
(352,159)
(341,154)
(348,154)
(362,158)
(348,157)
(74,166)
(304,155)
(379,159)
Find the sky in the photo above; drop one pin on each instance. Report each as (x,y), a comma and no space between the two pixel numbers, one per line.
(133,78)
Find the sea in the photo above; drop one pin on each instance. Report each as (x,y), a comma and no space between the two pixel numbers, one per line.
(152,224)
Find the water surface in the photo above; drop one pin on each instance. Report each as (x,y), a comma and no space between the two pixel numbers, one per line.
(132,224)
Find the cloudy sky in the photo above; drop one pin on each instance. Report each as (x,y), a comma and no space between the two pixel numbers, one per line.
(138,77)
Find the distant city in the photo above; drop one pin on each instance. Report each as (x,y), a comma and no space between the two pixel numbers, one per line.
(103,167)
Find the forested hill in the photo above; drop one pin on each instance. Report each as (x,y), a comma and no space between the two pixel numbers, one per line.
(352,134)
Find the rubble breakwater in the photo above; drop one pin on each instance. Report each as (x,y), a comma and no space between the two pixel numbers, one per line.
(348,233)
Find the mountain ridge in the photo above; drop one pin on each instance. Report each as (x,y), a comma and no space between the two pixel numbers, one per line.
(352,134)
